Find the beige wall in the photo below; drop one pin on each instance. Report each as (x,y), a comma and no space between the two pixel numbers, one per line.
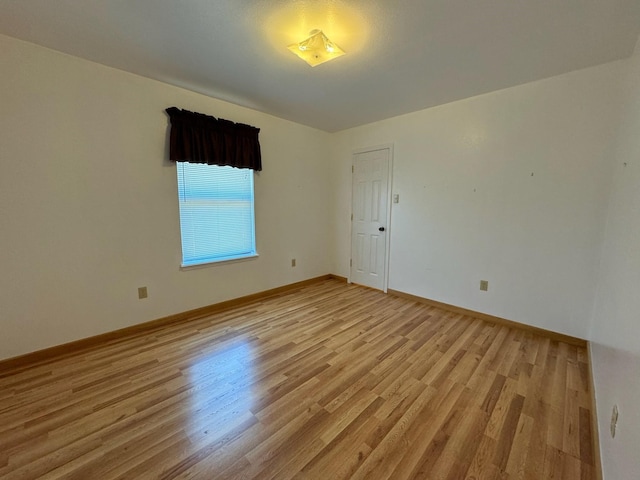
(510,187)
(89,208)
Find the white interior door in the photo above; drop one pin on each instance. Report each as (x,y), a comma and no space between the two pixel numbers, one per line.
(370,229)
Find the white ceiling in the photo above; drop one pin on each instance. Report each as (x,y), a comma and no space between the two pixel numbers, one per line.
(402,55)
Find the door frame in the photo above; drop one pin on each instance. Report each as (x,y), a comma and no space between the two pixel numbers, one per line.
(387,253)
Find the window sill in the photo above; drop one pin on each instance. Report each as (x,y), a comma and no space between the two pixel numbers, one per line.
(225,261)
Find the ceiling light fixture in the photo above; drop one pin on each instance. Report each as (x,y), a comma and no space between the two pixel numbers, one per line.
(316,49)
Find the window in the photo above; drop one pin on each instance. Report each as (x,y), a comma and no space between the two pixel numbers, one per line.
(216,213)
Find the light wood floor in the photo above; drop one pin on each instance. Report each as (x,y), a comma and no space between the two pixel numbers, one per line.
(327,382)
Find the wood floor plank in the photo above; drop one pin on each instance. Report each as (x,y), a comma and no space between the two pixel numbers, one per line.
(327,381)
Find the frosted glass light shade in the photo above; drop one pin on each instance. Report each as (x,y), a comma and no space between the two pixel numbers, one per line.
(316,49)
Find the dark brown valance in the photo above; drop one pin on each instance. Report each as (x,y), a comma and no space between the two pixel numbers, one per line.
(199,138)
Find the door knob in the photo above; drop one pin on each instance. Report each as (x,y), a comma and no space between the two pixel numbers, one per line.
(381,229)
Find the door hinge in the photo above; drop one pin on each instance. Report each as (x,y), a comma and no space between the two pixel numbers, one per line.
(352,217)
(350,263)
(353,169)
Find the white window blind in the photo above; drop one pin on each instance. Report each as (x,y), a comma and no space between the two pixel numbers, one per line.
(216,213)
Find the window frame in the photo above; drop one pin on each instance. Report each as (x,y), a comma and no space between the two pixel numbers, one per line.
(215,260)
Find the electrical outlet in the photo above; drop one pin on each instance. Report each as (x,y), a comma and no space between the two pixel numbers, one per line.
(484,285)
(293,262)
(614,421)
(142,292)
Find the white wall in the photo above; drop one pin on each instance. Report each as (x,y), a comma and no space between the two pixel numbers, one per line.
(510,187)
(615,330)
(89,212)
(88,202)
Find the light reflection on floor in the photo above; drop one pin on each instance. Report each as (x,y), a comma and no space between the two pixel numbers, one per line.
(222,392)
